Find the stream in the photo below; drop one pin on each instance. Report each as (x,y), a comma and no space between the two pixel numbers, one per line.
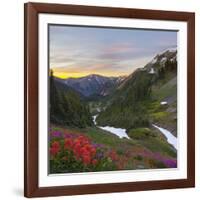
(121,133)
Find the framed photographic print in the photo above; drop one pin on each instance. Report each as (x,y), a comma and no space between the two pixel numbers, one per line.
(109,99)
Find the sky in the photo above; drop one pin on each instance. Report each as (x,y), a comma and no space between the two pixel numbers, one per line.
(79,51)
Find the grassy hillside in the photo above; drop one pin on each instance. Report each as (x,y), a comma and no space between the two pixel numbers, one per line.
(165,115)
(112,153)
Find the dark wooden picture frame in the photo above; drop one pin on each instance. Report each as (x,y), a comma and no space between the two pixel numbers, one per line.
(31,170)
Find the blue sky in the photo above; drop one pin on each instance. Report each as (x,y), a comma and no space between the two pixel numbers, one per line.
(79,51)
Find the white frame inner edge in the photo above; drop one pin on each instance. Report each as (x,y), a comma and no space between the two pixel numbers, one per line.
(180,172)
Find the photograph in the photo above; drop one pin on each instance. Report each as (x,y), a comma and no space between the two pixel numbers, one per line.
(112,99)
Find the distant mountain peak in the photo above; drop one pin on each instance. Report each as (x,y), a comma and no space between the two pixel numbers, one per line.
(169,54)
(169,49)
(95,75)
(163,56)
(93,84)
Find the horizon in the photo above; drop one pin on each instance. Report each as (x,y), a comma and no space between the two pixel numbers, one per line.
(90,75)
(77,52)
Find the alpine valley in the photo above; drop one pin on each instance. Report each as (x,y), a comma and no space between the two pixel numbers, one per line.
(134,116)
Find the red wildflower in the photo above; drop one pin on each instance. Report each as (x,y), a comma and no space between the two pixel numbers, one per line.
(55,144)
(55,148)
(77,141)
(68,143)
(53,151)
(81,137)
(77,145)
(93,151)
(94,162)
(84,141)
(86,159)
(88,147)
(84,151)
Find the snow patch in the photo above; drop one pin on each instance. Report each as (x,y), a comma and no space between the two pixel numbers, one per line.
(154,60)
(120,132)
(170,137)
(173,59)
(163,103)
(171,49)
(164,59)
(152,71)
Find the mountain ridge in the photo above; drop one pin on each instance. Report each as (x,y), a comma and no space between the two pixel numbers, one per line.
(93,84)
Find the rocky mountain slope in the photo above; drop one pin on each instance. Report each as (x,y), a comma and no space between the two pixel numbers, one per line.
(148,95)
